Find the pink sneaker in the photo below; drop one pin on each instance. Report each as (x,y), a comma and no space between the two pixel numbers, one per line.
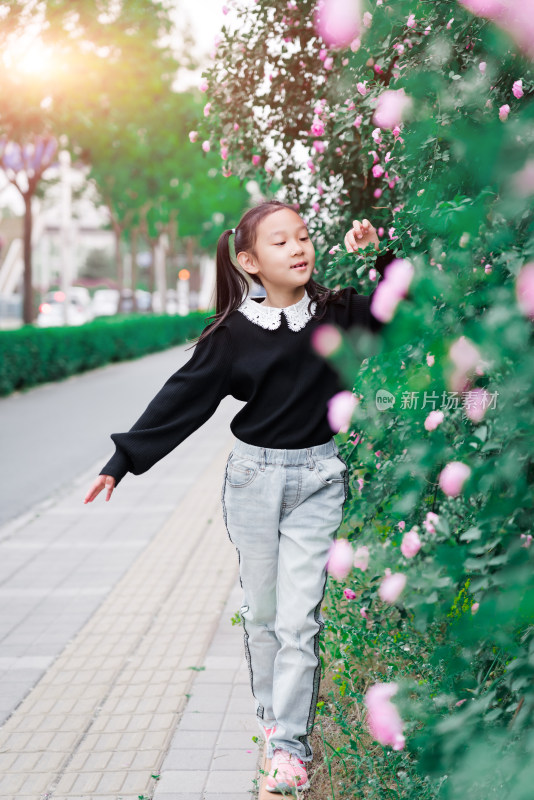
(287,773)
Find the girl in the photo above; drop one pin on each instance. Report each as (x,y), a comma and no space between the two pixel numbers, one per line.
(285,483)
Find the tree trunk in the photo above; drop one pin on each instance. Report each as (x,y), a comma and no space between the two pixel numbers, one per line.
(28,312)
(118,260)
(152,268)
(133,251)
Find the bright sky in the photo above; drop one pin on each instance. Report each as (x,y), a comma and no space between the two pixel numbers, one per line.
(206,18)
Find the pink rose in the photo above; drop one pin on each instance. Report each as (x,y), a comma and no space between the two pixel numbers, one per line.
(338,22)
(517,88)
(206,146)
(524,289)
(340,559)
(523,180)
(430,360)
(317,128)
(430,521)
(207,109)
(467,359)
(203,86)
(474,608)
(475,403)
(387,295)
(411,543)
(362,88)
(399,274)
(385,301)
(193,135)
(392,105)
(349,594)
(340,409)
(378,170)
(434,419)
(503,112)
(453,476)
(482,67)
(363,612)
(383,719)
(391,586)
(256,160)
(326,339)
(513,16)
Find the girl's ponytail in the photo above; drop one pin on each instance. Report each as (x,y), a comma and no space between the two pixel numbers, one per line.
(230,283)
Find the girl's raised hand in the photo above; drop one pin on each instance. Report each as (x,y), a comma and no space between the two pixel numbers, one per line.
(102,482)
(360,235)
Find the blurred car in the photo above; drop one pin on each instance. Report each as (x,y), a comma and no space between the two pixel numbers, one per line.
(105,302)
(171,302)
(52,312)
(143,299)
(82,297)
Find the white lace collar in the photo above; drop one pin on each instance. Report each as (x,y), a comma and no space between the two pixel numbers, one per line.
(268,317)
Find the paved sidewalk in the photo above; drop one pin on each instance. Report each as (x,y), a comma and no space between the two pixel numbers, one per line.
(100,722)
(213,755)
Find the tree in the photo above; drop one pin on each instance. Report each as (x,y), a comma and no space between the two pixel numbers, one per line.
(153,183)
(70,69)
(24,167)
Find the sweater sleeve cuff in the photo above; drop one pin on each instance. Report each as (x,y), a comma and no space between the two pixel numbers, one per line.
(117,466)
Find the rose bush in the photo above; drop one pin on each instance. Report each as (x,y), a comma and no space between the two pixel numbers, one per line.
(422,123)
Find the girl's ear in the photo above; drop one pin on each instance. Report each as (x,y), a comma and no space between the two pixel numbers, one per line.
(246,263)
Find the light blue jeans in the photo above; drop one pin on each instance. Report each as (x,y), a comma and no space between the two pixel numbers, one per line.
(282,509)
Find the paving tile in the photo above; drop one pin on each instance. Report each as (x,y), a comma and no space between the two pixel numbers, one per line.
(182,781)
(209,704)
(222,782)
(201,721)
(239,722)
(204,740)
(238,739)
(226,796)
(239,759)
(182,796)
(215,676)
(187,759)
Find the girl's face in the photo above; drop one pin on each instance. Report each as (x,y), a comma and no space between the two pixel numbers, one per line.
(282,241)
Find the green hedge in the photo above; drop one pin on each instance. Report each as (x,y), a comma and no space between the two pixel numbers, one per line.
(30,355)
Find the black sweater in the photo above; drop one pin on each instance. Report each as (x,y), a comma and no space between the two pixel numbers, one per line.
(286,384)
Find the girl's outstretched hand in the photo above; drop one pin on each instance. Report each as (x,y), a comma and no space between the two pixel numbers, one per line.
(360,235)
(102,482)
